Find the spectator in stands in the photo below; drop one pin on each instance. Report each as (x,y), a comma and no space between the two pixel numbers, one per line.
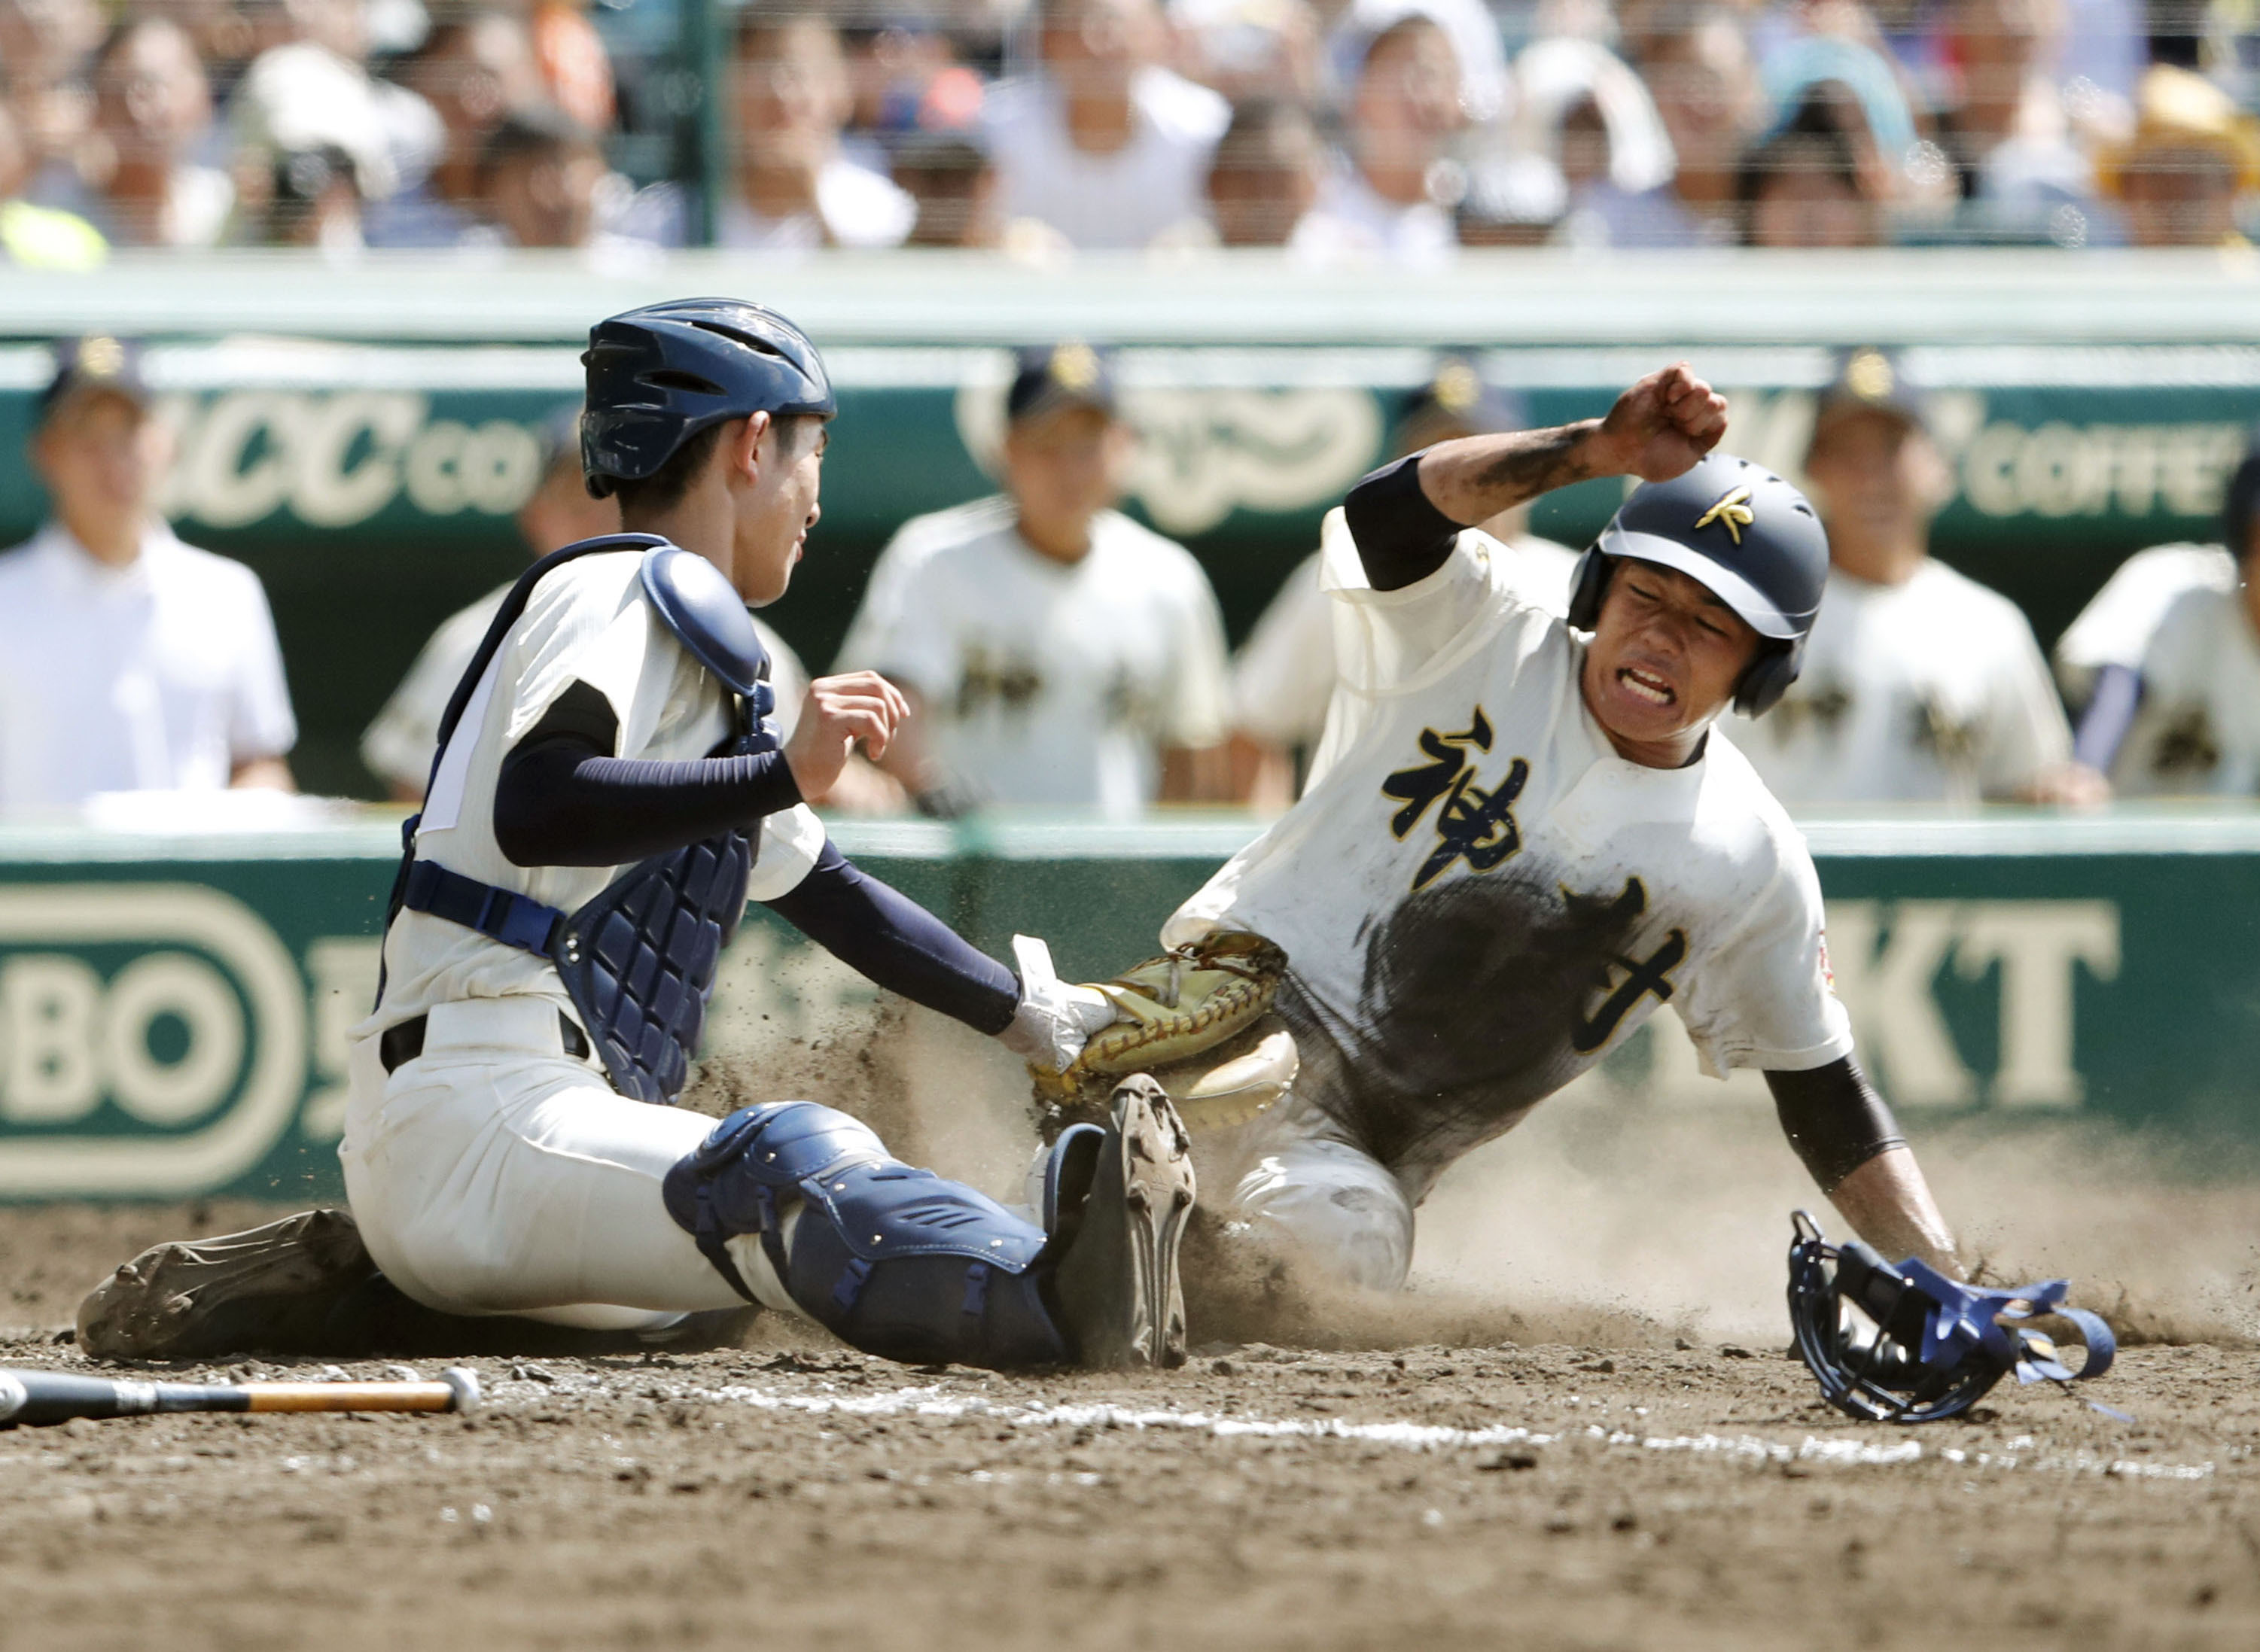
(538,174)
(1283,679)
(399,747)
(1265,178)
(314,199)
(128,660)
(1404,115)
(1805,186)
(1055,651)
(1582,110)
(2171,647)
(475,71)
(2007,130)
(2192,164)
(1919,685)
(950,179)
(33,237)
(1102,145)
(1251,49)
(577,71)
(906,81)
(796,190)
(142,183)
(315,90)
(45,47)
(1698,70)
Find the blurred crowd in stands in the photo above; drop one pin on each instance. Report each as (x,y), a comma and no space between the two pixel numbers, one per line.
(1059,655)
(1375,130)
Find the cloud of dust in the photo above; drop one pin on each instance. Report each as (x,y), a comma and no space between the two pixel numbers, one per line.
(1606,1220)
(1677,1215)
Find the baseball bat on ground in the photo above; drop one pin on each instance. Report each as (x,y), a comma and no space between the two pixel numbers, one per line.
(49,1397)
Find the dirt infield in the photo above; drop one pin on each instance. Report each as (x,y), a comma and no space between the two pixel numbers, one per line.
(1534,1495)
(1577,1430)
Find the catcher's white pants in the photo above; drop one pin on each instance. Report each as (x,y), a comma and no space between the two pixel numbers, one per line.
(495,1174)
(1306,1191)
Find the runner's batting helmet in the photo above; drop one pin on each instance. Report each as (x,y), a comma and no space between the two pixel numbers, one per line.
(1747,537)
(659,376)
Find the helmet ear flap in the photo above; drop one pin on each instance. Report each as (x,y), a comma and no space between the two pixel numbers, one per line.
(1768,677)
(1588,585)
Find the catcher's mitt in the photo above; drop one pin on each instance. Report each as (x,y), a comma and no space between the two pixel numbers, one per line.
(1189,1003)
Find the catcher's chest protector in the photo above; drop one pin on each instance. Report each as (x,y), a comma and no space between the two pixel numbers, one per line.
(639,960)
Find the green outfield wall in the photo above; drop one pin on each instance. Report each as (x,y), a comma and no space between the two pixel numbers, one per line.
(361,433)
(174,1013)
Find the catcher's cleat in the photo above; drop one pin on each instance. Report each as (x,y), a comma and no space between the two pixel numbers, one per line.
(1116,1281)
(272,1288)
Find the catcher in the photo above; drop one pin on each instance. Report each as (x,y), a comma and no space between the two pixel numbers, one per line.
(1520,838)
(607,794)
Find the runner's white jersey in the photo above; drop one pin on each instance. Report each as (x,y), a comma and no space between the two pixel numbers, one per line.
(1479,898)
(2199,728)
(1932,690)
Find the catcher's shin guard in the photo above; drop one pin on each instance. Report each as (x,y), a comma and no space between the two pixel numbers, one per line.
(1905,1343)
(895,1261)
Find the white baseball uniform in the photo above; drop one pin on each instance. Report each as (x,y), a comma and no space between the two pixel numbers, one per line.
(161,675)
(1282,677)
(397,746)
(2116,626)
(1043,682)
(1929,691)
(2198,730)
(1479,899)
(493,1174)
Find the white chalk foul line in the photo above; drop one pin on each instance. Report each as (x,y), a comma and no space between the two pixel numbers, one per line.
(942,1406)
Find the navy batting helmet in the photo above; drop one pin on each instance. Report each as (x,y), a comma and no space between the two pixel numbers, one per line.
(659,376)
(1747,537)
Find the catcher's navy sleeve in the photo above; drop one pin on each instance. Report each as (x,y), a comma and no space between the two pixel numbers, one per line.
(889,939)
(1833,1118)
(560,801)
(1401,537)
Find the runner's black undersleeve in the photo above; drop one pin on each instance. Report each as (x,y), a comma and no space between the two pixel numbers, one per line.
(889,939)
(1401,537)
(1833,1118)
(564,799)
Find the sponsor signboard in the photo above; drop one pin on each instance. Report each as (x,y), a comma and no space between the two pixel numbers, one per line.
(176,1024)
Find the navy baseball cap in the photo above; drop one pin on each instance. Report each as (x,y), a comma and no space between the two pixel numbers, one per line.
(96,362)
(1457,401)
(1053,377)
(1873,380)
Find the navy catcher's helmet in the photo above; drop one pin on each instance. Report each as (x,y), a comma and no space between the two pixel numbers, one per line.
(659,376)
(1747,535)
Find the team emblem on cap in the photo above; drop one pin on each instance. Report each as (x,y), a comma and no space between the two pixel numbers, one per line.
(1456,389)
(1733,513)
(102,358)
(1869,375)
(1075,367)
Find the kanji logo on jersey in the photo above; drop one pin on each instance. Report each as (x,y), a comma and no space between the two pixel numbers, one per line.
(1473,823)
(1642,976)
